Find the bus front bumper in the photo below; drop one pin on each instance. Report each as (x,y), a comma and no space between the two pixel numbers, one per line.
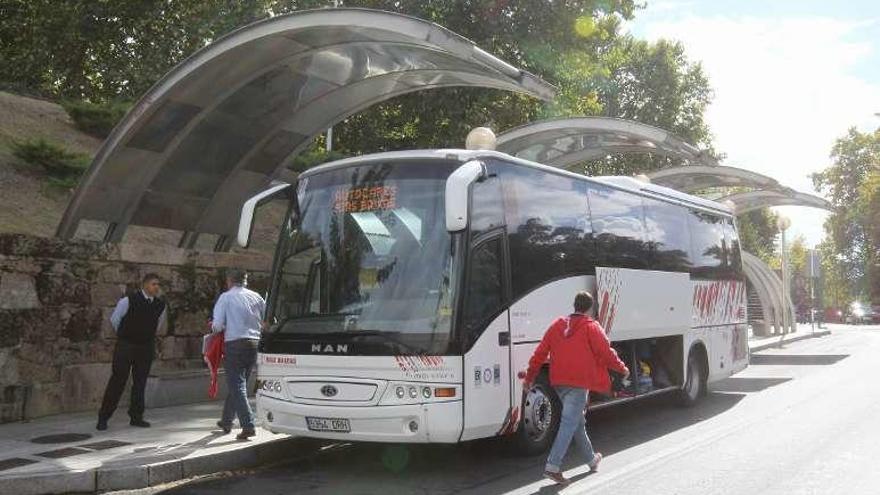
(414,423)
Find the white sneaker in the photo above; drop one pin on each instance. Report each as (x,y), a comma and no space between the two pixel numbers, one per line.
(594,466)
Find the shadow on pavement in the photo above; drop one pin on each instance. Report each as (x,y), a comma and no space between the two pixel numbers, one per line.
(797,359)
(747,384)
(481,467)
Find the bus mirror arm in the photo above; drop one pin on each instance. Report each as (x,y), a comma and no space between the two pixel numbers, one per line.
(458,187)
(249,209)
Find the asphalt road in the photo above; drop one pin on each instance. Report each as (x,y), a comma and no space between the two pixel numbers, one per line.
(804,419)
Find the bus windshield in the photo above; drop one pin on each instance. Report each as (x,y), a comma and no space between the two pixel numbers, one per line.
(367,257)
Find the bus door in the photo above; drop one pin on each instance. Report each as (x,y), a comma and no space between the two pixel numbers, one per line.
(485,334)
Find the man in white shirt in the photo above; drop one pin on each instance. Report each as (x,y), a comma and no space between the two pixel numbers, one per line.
(239,313)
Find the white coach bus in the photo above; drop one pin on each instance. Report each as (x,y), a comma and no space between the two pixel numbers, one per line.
(410,288)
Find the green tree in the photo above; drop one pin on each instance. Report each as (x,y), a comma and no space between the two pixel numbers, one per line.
(852,184)
(799,283)
(115,50)
(107,50)
(758,233)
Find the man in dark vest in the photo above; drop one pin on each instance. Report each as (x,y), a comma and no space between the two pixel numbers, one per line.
(136,319)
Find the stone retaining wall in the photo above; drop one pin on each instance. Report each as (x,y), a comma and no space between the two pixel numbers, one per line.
(56,297)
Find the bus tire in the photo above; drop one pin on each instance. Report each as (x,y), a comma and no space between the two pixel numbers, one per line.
(695,380)
(541,412)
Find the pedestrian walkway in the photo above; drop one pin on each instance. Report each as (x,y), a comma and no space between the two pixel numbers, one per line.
(65,453)
(804,331)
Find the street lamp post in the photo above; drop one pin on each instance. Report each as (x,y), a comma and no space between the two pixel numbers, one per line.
(783,223)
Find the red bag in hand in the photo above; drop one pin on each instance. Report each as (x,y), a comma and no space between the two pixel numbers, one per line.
(212,351)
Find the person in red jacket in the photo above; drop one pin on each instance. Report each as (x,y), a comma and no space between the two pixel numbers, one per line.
(580,356)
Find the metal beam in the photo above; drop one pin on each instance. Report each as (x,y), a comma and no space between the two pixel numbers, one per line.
(567,142)
(755,200)
(698,177)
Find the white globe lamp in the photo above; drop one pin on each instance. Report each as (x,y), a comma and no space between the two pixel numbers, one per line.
(481,138)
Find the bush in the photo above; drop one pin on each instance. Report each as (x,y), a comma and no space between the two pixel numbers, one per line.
(63,167)
(97,119)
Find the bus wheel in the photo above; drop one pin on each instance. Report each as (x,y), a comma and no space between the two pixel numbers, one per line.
(694,385)
(540,419)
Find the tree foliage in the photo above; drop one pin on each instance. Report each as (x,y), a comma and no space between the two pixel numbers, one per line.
(851,253)
(108,49)
(102,50)
(758,233)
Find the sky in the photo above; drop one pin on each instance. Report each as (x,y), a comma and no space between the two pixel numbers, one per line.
(789,78)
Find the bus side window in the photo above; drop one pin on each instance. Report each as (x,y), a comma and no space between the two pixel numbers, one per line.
(487,206)
(548,226)
(735,257)
(709,251)
(619,228)
(484,296)
(669,238)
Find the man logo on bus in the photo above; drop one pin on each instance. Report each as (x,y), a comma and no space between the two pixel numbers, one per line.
(330,348)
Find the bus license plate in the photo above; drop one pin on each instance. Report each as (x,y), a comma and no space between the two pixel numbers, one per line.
(328,424)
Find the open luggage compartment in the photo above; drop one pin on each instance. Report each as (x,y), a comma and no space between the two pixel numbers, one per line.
(656,366)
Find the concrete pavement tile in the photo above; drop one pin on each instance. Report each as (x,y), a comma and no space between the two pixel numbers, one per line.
(121,478)
(75,481)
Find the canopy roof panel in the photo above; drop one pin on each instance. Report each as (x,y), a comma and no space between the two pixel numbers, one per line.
(755,200)
(567,142)
(227,120)
(697,177)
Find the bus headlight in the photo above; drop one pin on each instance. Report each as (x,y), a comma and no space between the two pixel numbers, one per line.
(399,393)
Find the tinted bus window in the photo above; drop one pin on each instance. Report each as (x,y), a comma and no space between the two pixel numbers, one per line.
(484,297)
(618,227)
(548,228)
(735,257)
(669,238)
(487,206)
(709,253)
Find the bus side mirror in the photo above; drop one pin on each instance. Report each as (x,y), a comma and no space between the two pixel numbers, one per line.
(458,187)
(249,209)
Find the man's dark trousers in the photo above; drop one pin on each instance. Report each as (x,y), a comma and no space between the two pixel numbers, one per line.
(133,358)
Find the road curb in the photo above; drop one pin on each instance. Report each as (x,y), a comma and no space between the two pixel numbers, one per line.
(776,343)
(103,479)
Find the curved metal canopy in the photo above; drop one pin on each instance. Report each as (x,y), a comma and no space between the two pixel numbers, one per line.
(567,142)
(768,286)
(218,127)
(697,177)
(754,200)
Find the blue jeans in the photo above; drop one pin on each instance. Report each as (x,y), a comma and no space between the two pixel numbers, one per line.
(572,424)
(241,357)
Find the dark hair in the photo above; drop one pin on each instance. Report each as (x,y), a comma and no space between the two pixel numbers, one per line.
(150,277)
(583,301)
(237,276)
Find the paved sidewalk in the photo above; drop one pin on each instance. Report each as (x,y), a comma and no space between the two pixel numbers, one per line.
(804,331)
(184,441)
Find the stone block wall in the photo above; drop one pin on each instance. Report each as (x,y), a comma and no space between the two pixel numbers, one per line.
(56,296)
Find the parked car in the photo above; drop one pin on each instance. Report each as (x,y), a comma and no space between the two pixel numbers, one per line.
(860,314)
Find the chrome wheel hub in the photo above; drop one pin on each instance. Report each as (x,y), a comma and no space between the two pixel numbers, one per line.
(537,414)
